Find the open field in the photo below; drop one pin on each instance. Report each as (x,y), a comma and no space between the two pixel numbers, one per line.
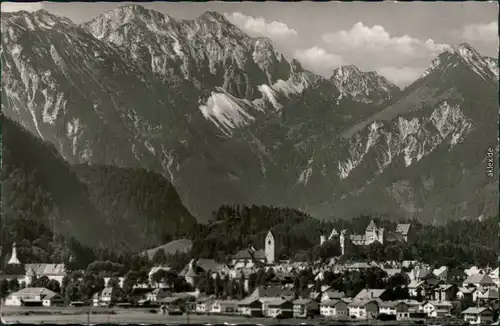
(84,315)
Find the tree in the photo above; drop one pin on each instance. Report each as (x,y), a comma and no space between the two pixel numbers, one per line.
(113,282)
(218,286)
(64,284)
(71,292)
(242,286)
(129,282)
(14,285)
(4,288)
(53,285)
(420,297)
(159,257)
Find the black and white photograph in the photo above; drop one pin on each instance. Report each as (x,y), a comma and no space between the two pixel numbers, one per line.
(249,163)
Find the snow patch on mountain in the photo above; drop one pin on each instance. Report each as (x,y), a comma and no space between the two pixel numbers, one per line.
(307,172)
(149,147)
(226,112)
(271,95)
(73,131)
(54,102)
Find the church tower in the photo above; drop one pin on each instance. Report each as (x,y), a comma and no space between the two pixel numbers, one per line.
(270,247)
(342,242)
(13,258)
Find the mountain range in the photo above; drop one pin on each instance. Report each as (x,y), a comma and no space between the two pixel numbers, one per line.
(228,119)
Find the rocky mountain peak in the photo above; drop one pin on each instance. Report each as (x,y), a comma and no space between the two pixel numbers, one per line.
(346,71)
(362,86)
(109,22)
(213,16)
(40,19)
(466,56)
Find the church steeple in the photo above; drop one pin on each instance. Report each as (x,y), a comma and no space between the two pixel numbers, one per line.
(13,258)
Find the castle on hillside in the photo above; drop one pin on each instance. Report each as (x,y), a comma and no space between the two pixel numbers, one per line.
(372,234)
(375,234)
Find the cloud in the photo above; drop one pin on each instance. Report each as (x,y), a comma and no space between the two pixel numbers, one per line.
(319,60)
(401,76)
(259,26)
(18,6)
(485,33)
(377,40)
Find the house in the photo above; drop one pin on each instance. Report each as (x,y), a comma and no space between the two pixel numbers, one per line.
(334,308)
(173,303)
(224,307)
(191,276)
(413,305)
(363,309)
(250,307)
(474,270)
(249,258)
(487,295)
(455,276)
(52,271)
(107,296)
(479,281)
(272,292)
(358,267)
(495,276)
(156,295)
(445,292)
(121,279)
(332,295)
(431,283)
(34,297)
(372,294)
(437,309)
(391,272)
(279,307)
(466,295)
(236,274)
(418,274)
(203,305)
(441,272)
(478,316)
(303,308)
(393,307)
(403,230)
(333,234)
(416,287)
(210,265)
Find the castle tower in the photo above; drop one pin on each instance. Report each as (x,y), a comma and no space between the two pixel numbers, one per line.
(270,247)
(381,235)
(342,242)
(13,259)
(322,240)
(371,232)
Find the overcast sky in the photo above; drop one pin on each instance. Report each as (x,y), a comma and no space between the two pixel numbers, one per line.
(396,39)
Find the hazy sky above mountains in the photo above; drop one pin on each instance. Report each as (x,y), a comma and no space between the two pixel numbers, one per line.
(398,40)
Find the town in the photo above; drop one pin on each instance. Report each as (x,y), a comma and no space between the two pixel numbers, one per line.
(256,284)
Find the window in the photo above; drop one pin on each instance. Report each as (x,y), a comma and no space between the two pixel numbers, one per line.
(269,242)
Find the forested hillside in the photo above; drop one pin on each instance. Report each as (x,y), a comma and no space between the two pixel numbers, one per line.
(44,202)
(141,207)
(298,235)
